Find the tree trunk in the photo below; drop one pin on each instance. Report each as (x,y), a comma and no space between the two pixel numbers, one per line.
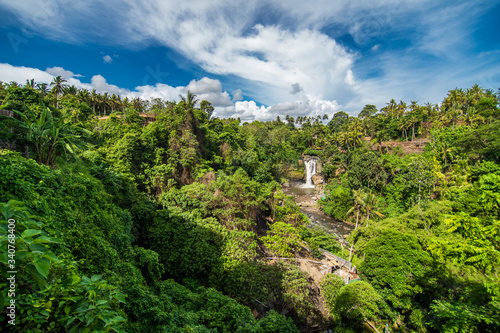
(357,220)
(350,251)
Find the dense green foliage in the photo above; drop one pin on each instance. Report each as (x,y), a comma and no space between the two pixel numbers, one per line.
(427,225)
(158,217)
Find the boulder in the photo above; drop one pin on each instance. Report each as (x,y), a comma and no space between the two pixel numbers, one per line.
(318,179)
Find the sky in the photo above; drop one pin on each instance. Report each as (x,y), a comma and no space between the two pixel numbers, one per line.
(257,59)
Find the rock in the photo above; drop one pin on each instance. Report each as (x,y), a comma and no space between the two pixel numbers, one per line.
(286,185)
(317,179)
(314,198)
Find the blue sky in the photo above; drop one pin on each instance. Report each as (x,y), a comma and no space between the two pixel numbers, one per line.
(257,59)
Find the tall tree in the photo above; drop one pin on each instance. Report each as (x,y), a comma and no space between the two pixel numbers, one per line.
(190,100)
(58,87)
(42,88)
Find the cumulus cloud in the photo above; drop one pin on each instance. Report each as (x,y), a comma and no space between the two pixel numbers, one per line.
(204,85)
(107,59)
(248,111)
(300,46)
(99,83)
(210,90)
(56,71)
(306,106)
(9,73)
(205,88)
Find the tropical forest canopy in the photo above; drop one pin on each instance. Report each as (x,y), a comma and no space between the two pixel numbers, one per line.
(155,216)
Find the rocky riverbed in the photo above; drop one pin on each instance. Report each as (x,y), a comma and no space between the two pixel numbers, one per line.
(307,199)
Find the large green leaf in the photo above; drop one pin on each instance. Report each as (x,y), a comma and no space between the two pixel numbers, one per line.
(42,266)
(30,233)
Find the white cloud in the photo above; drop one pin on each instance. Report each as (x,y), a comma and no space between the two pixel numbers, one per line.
(99,83)
(160,90)
(248,111)
(300,47)
(349,77)
(107,59)
(59,71)
(237,95)
(307,106)
(9,73)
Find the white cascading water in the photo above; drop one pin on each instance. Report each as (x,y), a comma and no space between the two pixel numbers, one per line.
(310,167)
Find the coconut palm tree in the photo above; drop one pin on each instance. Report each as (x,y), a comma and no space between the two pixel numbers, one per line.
(104,101)
(71,90)
(471,116)
(190,100)
(42,88)
(390,108)
(446,153)
(359,204)
(114,102)
(403,125)
(84,95)
(370,203)
(58,87)
(31,83)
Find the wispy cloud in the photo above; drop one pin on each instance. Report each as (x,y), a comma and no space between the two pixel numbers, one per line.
(288,55)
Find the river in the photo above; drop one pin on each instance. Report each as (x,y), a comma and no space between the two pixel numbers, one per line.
(305,198)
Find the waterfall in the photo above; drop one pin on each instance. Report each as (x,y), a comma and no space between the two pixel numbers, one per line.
(310,167)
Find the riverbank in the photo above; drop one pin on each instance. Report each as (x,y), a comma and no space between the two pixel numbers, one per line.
(307,199)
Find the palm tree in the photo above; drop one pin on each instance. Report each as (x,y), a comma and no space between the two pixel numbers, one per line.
(471,116)
(414,117)
(138,104)
(403,126)
(359,204)
(356,129)
(42,87)
(72,90)
(31,83)
(370,201)
(446,153)
(190,100)
(379,137)
(58,87)
(114,102)
(94,100)
(84,95)
(401,109)
(389,108)
(104,102)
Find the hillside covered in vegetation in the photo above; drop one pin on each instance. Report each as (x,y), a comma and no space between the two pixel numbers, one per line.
(155,216)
